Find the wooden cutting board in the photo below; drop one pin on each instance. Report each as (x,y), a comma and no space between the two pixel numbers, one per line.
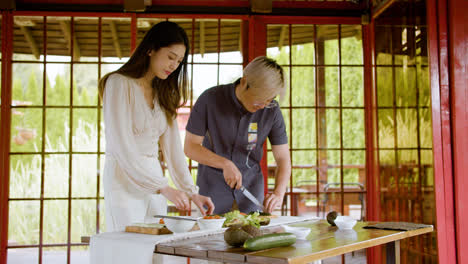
(150,229)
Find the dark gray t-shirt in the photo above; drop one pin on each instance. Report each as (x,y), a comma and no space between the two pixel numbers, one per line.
(238,135)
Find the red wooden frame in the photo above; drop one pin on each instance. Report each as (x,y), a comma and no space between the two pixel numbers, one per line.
(458,46)
(448,67)
(7,50)
(443,182)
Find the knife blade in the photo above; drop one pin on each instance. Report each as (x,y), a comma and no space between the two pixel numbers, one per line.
(251,197)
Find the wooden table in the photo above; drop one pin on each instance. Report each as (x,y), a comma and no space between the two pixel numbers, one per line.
(323,241)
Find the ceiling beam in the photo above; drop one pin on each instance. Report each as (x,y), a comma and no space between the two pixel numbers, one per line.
(115,38)
(30,39)
(261,6)
(65,25)
(202,38)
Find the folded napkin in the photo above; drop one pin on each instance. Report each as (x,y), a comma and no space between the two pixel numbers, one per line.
(404,226)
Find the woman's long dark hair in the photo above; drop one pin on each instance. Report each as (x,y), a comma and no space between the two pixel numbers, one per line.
(172,92)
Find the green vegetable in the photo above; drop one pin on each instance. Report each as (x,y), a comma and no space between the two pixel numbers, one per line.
(270,241)
(235,218)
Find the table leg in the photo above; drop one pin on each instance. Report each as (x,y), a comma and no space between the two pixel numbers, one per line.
(393,252)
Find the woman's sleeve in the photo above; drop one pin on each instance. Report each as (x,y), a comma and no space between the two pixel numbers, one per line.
(118,99)
(175,159)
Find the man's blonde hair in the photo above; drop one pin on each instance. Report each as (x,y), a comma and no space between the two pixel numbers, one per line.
(265,76)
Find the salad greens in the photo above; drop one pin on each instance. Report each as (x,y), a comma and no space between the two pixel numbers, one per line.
(235,217)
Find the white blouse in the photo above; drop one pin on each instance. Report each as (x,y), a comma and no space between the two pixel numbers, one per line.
(132,134)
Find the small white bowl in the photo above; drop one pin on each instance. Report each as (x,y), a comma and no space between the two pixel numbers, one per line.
(345,222)
(299,232)
(209,224)
(178,225)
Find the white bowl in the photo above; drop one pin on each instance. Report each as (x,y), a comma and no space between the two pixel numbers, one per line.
(299,232)
(207,224)
(345,222)
(178,225)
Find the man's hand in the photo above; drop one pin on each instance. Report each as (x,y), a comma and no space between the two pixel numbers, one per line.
(232,175)
(179,198)
(201,201)
(272,201)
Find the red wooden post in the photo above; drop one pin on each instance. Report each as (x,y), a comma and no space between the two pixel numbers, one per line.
(458,47)
(441,129)
(7,50)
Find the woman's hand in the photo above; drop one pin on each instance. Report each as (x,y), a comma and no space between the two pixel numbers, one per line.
(272,201)
(203,201)
(179,198)
(232,175)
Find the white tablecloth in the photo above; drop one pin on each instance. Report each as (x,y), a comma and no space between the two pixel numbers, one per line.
(133,248)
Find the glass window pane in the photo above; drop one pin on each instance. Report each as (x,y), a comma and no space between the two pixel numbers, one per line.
(55,222)
(284,100)
(231,42)
(26,130)
(27,84)
(384,86)
(423,83)
(85,42)
(278,43)
(383,37)
(115,39)
(352,86)
(386,128)
(304,130)
(405,86)
(303,49)
(58,84)
(84,177)
(56,176)
(206,41)
(83,219)
(57,129)
(407,132)
(85,84)
(204,77)
(351,45)
(303,87)
(229,73)
(25,216)
(425,127)
(331,86)
(28,38)
(85,130)
(25,176)
(59,39)
(332,128)
(353,126)
(354,167)
(327,45)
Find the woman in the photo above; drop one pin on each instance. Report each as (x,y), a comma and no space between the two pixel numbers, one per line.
(140,101)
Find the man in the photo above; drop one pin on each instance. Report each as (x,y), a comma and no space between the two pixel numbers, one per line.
(225,134)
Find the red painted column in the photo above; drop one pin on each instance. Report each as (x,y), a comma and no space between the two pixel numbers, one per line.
(257,47)
(372,157)
(458,79)
(441,129)
(7,49)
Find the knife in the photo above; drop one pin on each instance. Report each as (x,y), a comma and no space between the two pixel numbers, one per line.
(251,197)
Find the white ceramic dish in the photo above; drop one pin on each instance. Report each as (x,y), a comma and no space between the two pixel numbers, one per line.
(299,232)
(178,225)
(345,222)
(209,224)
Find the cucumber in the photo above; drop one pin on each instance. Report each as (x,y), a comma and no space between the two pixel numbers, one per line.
(270,241)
